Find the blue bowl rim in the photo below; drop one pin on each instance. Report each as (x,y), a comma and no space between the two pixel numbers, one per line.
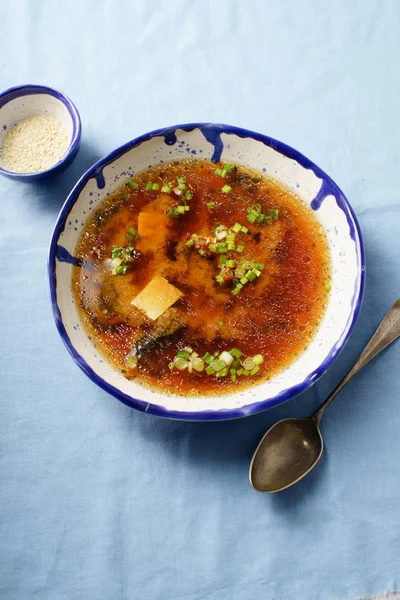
(207,415)
(17,91)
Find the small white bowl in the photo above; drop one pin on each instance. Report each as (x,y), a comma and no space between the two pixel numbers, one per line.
(25,101)
(229,144)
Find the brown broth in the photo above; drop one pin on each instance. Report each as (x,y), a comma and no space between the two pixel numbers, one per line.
(276,315)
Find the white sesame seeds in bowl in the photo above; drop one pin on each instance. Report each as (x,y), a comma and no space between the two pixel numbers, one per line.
(40,132)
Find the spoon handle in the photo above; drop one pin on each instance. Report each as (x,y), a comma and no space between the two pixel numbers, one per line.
(387,332)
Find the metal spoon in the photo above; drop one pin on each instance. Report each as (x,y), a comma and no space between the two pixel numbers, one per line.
(292,447)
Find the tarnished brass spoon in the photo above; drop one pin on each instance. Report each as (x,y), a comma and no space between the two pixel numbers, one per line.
(292,447)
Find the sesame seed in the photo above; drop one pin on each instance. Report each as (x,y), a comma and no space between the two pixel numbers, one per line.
(34,144)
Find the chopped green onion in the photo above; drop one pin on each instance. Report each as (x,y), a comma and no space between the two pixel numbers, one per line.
(201,252)
(189,243)
(133,184)
(226,189)
(208,358)
(127,196)
(210,370)
(149,185)
(198,364)
(252,216)
(219,172)
(258,359)
(181,363)
(230,237)
(188,195)
(182,186)
(250,276)
(226,357)
(229,168)
(259,266)
(222,261)
(222,249)
(239,248)
(166,189)
(183,354)
(244,280)
(171,365)
(187,208)
(212,248)
(274,212)
(221,324)
(210,205)
(244,229)
(180,210)
(181,179)
(254,370)
(218,364)
(131,361)
(233,374)
(220,233)
(230,263)
(246,372)
(219,279)
(132,234)
(248,364)
(237,227)
(236,352)
(327,287)
(155,186)
(121,270)
(231,246)
(239,372)
(222,373)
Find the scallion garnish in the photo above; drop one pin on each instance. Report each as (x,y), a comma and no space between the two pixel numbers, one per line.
(210,205)
(208,358)
(149,185)
(226,189)
(133,184)
(166,189)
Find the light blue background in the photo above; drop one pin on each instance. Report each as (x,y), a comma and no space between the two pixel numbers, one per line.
(99,502)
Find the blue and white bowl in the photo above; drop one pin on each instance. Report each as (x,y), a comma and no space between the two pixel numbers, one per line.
(230,144)
(25,101)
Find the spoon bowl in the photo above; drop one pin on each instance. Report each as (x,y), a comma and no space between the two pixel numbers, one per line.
(286,453)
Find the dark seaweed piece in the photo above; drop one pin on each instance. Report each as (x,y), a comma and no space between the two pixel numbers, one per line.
(165,326)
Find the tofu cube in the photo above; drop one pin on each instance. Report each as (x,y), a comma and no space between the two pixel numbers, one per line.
(156,297)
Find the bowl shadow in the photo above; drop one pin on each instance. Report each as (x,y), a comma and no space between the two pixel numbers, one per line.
(54,190)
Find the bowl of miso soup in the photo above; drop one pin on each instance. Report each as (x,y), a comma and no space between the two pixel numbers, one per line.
(205,272)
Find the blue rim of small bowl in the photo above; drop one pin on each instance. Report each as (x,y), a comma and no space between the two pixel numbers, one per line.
(28,90)
(207,415)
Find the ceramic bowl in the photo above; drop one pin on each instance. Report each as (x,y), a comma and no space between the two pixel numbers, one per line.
(229,144)
(25,101)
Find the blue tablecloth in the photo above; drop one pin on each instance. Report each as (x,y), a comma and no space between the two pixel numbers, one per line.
(99,502)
